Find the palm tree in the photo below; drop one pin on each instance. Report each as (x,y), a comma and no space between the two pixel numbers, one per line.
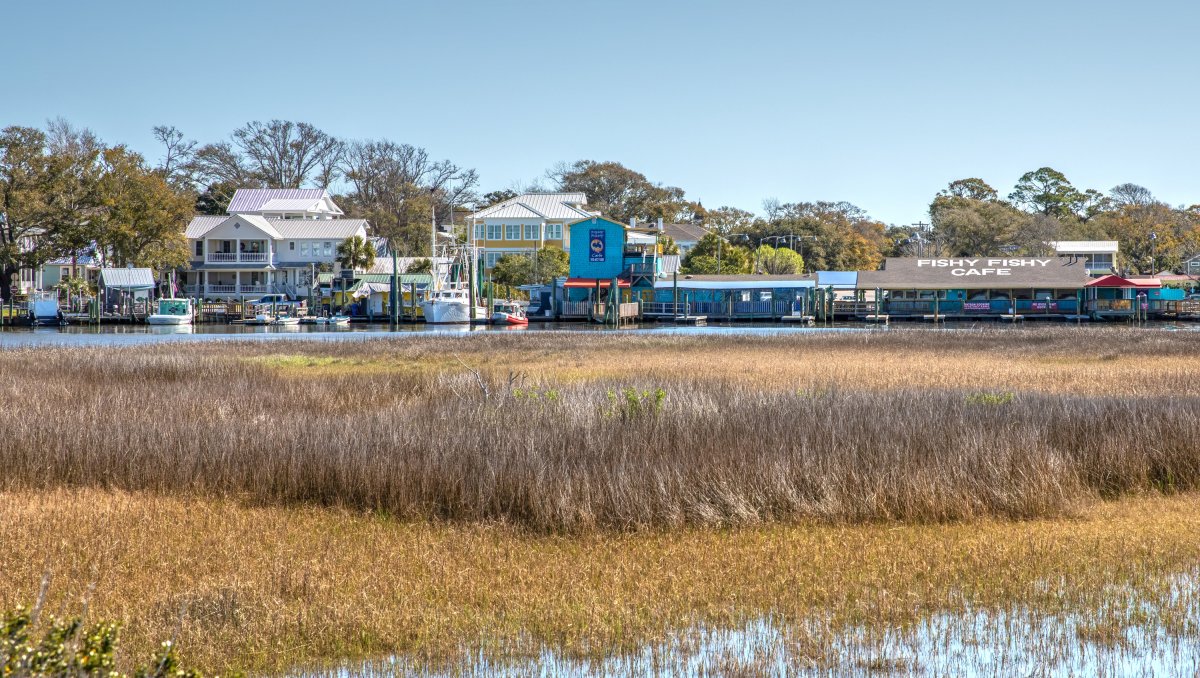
(356,253)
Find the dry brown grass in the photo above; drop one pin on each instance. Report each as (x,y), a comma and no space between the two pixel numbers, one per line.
(269,588)
(912,426)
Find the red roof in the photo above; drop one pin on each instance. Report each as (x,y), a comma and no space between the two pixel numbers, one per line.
(591,283)
(1118,281)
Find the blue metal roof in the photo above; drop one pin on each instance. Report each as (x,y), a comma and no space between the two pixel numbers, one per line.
(839,280)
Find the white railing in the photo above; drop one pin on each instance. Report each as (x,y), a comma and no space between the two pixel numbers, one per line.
(254,289)
(235,257)
(221,289)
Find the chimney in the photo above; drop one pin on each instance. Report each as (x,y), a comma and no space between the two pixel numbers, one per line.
(660,226)
(632,222)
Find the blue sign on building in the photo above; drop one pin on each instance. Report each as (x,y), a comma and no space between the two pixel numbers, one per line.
(596,244)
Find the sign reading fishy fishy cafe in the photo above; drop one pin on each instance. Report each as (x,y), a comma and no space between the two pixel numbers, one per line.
(982,267)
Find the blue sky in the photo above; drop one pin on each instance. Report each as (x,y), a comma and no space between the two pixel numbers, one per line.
(878,103)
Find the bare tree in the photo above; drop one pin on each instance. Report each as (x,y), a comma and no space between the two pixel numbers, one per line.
(178,153)
(286,154)
(221,163)
(1131,195)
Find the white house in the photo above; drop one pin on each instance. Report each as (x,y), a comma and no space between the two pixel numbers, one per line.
(1100,256)
(685,235)
(272,241)
(526,223)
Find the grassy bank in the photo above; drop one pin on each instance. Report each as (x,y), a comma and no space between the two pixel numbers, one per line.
(269,588)
(566,433)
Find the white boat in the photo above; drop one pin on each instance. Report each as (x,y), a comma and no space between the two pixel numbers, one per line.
(172,311)
(450,305)
(285,320)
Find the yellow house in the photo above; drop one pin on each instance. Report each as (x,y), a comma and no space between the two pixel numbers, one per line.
(526,223)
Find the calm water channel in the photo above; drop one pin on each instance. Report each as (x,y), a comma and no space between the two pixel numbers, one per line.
(122,335)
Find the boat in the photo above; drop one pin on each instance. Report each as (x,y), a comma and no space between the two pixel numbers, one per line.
(43,310)
(285,320)
(509,313)
(450,305)
(260,319)
(172,311)
(332,321)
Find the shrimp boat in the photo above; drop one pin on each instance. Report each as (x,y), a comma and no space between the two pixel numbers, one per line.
(449,298)
(172,311)
(509,313)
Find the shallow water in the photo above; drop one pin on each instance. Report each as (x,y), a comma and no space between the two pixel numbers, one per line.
(123,335)
(119,335)
(1005,643)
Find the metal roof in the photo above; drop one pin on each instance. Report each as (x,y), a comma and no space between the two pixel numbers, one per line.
(846,280)
(127,278)
(253,199)
(1085,246)
(291,205)
(384,264)
(976,273)
(282,229)
(737,282)
(538,205)
(684,232)
(670,263)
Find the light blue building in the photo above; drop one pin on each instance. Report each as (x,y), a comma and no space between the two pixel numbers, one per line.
(603,250)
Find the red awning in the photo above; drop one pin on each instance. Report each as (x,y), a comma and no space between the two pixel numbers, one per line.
(591,283)
(1118,281)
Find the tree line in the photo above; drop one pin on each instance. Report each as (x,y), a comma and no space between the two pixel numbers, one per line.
(66,193)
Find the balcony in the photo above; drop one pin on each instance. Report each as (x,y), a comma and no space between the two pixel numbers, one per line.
(258,258)
(226,290)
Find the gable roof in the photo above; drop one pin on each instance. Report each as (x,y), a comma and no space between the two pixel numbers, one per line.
(1118,281)
(127,278)
(282,229)
(538,206)
(976,273)
(253,199)
(684,232)
(596,218)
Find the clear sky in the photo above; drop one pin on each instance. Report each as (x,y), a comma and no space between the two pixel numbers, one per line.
(877,103)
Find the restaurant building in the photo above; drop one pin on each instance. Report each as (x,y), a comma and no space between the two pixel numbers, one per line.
(976,287)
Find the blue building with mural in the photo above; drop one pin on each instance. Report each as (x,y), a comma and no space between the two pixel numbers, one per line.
(603,250)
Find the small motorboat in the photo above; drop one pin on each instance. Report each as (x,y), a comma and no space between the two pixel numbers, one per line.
(285,320)
(509,313)
(172,311)
(332,321)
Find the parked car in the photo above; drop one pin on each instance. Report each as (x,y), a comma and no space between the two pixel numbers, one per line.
(1194,296)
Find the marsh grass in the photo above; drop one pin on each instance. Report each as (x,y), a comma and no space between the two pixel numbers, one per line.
(705,431)
(439,499)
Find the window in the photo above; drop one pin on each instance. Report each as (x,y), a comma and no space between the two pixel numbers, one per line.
(553,231)
(328,249)
(512,231)
(304,249)
(199,248)
(531,231)
(292,245)
(65,272)
(489,259)
(494,232)
(480,231)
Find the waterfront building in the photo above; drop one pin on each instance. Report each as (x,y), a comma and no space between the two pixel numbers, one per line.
(525,224)
(1099,256)
(684,235)
(120,288)
(272,241)
(973,287)
(733,297)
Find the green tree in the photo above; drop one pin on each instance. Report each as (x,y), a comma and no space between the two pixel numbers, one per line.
(215,199)
(972,189)
(668,244)
(496,197)
(143,217)
(778,260)
(713,255)
(48,196)
(728,220)
(540,267)
(1048,192)
(424,265)
(621,193)
(355,253)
